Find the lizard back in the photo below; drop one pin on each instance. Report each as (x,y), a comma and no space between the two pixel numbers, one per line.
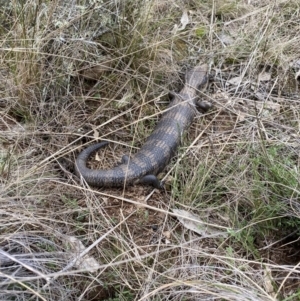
(159,147)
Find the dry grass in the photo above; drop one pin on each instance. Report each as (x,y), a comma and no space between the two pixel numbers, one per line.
(72,73)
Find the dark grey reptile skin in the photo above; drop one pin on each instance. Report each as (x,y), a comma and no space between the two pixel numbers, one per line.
(158,148)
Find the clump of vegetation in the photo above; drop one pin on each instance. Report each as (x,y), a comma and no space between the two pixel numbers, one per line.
(72,72)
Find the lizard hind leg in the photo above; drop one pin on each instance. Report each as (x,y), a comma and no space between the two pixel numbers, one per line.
(147,179)
(203,106)
(151,180)
(125,159)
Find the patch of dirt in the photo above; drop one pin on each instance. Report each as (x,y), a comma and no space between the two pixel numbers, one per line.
(144,226)
(286,252)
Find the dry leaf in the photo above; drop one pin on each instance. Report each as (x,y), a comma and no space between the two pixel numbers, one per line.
(226,39)
(235,81)
(97,157)
(184,22)
(77,247)
(268,105)
(197,225)
(96,134)
(272,106)
(264,76)
(241,116)
(268,282)
(167,234)
(125,100)
(96,72)
(105,200)
(295,64)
